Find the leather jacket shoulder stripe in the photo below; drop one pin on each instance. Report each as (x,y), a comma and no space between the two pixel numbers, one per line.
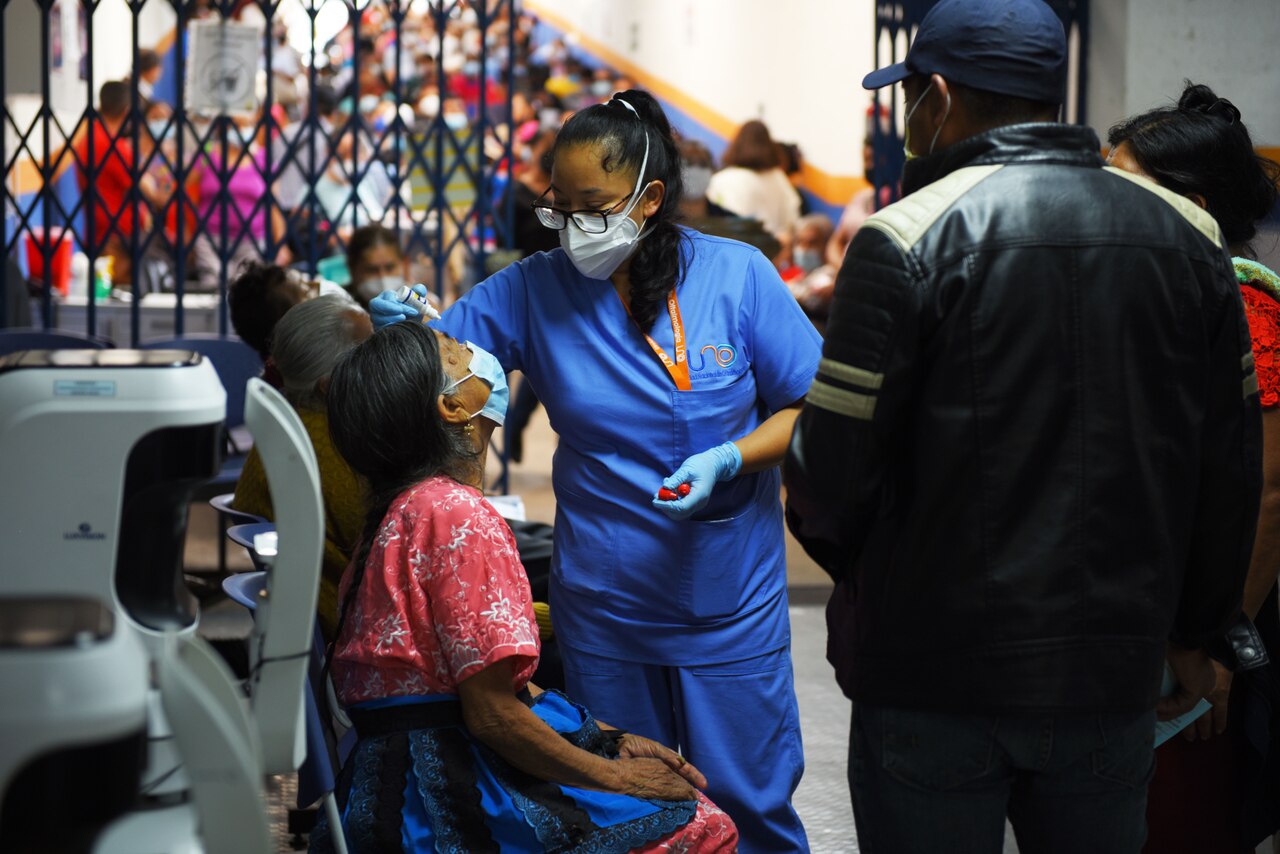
(906,221)
(850,374)
(1190,211)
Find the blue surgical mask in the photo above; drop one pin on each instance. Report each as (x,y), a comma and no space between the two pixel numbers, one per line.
(486,367)
(807,259)
(455,121)
(160,129)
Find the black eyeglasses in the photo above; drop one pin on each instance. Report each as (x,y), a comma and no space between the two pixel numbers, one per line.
(589,221)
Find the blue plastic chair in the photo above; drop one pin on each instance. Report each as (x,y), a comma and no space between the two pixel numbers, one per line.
(242,535)
(228,515)
(316,777)
(245,587)
(13,340)
(222,504)
(235,361)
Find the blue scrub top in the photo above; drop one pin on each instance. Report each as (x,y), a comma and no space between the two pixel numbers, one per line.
(627,582)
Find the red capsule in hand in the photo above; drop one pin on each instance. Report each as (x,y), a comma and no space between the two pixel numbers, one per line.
(683,489)
(665,494)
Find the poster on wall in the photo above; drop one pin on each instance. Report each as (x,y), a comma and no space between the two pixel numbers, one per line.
(222,67)
(55,37)
(82,38)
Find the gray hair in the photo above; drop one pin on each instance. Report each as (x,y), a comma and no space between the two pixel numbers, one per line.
(309,342)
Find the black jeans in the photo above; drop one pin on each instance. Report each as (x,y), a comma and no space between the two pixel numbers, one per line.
(928,782)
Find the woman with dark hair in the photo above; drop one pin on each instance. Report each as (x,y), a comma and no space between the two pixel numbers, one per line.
(752,182)
(375,261)
(436,642)
(666,359)
(1216,792)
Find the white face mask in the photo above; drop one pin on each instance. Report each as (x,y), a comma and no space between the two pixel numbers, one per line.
(696,181)
(597,256)
(906,125)
(370,288)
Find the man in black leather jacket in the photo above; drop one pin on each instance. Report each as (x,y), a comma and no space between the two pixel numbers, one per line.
(1030,460)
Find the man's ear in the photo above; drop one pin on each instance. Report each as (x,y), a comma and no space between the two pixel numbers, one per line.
(452,410)
(942,104)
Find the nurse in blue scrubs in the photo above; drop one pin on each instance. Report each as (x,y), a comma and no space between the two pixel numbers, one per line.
(663,357)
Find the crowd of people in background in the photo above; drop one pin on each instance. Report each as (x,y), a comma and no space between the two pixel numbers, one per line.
(946,396)
(325,158)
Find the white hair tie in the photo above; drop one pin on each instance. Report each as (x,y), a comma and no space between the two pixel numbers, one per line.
(633,110)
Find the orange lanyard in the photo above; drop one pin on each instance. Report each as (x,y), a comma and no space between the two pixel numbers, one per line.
(679,369)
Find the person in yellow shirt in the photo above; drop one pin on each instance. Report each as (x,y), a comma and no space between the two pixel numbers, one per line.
(307,344)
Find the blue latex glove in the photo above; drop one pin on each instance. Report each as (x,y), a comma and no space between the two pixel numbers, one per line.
(385,309)
(702,472)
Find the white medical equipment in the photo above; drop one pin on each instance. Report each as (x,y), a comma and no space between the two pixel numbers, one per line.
(105,682)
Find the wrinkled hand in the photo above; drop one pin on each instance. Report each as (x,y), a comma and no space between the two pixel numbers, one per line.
(702,472)
(1213,722)
(1193,671)
(638,747)
(385,309)
(651,778)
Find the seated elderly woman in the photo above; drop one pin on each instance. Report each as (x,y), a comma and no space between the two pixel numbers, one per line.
(308,341)
(456,749)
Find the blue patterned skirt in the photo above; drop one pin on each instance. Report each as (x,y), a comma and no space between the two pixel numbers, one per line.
(436,788)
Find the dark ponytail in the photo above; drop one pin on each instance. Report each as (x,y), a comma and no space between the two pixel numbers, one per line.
(385,423)
(1200,147)
(658,264)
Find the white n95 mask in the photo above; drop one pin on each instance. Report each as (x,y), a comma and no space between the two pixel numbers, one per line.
(597,255)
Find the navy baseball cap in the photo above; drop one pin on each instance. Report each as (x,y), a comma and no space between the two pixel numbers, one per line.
(1011,47)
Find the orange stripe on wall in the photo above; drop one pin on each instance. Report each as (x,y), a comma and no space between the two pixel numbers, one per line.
(716,122)
(165,42)
(832,189)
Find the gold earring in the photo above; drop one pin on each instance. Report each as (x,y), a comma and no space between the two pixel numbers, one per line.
(468,428)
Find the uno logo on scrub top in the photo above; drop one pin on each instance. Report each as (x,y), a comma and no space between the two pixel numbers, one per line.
(724,355)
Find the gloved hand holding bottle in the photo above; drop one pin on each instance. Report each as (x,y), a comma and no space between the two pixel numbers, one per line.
(701,472)
(391,307)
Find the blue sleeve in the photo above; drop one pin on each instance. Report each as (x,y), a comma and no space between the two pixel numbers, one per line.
(785,348)
(495,315)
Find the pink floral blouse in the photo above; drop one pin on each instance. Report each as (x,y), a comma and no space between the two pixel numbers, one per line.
(443,597)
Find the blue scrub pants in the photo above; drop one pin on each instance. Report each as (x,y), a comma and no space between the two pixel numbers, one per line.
(736,722)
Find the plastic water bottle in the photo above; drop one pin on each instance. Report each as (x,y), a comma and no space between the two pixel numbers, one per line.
(79,275)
